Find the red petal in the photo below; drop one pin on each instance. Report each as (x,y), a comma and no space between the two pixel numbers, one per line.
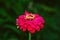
(29,28)
(26,12)
(38,28)
(32,31)
(24,29)
(42,26)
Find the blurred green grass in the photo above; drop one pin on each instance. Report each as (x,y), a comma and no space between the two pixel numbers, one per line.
(11,9)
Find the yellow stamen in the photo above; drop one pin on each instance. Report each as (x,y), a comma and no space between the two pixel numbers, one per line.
(30,16)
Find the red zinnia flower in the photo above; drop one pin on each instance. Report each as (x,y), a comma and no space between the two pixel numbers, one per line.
(30,22)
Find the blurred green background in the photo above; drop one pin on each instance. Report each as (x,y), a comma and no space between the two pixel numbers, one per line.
(11,9)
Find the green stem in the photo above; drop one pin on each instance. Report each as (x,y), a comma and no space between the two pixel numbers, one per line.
(29,36)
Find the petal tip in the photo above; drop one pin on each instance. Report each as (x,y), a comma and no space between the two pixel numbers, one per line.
(26,12)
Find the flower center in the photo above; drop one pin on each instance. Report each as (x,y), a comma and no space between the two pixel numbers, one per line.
(30,16)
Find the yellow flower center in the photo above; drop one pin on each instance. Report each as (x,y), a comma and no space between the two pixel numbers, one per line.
(30,16)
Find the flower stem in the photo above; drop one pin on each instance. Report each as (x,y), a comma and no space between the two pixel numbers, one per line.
(29,36)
